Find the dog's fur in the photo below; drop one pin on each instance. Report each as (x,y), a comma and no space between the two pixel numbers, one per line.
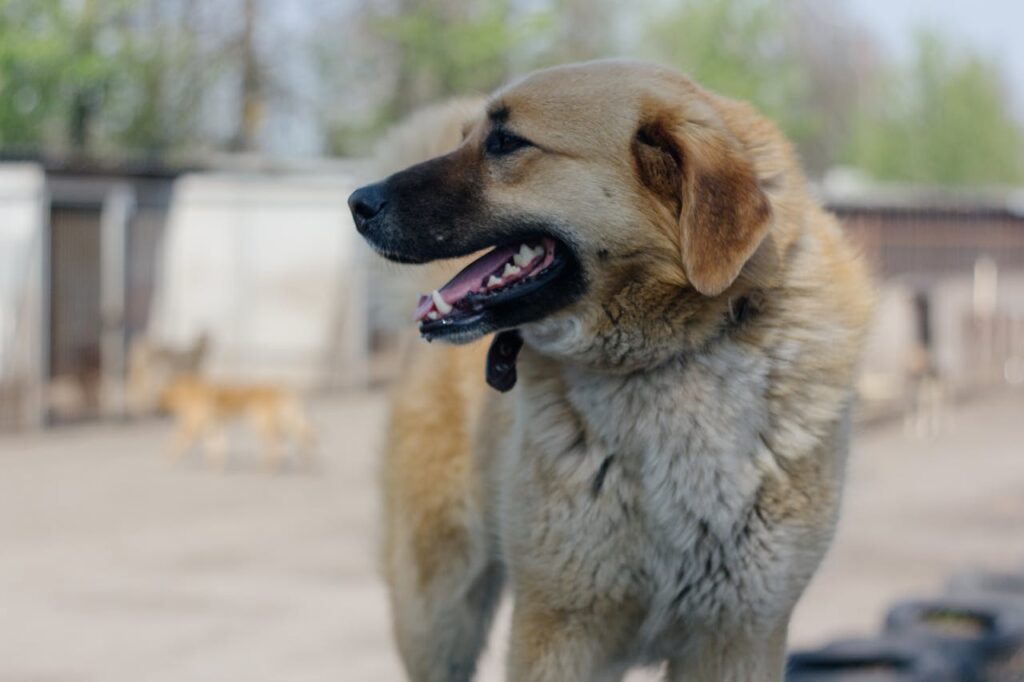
(152,366)
(168,379)
(203,409)
(665,477)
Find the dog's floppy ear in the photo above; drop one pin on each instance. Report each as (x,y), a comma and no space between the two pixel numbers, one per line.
(723,214)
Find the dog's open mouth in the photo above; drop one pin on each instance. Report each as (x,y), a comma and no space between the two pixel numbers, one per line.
(498,279)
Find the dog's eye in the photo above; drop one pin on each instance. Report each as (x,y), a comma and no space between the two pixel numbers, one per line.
(501,142)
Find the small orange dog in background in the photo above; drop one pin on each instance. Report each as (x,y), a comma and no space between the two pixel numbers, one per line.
(170,379)
(203,409)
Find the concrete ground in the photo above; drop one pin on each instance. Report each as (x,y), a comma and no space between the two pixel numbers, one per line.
(116,566)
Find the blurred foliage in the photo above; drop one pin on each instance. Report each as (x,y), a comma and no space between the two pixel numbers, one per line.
(944,119)
(800,62)
(100,77)
(452,49)
(153,77)
(432,49)
(162,88)
(439,48)
(738,48)
(51,72)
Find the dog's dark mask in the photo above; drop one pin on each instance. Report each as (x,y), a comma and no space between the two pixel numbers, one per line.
(438,210)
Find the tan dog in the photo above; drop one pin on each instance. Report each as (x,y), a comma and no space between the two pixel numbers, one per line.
(664,478)
(203,409)
(152,366)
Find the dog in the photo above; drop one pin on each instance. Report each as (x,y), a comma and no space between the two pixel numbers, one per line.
(673,326)
(152,366)
(202,410)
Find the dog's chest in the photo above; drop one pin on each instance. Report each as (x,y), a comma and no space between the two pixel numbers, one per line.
(686,437)
(672,458)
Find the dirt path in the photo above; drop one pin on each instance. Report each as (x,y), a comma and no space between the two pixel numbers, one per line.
(116,566)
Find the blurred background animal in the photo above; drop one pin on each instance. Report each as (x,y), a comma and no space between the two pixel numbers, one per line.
(152,366)
(203,410)
(168,379)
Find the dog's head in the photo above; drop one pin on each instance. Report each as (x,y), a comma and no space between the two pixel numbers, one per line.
(618,199)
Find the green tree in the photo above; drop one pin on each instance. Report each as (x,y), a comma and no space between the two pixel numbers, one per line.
(102,77)
(59,64)
(426,50)
(157,94)
(581,30)
(944,120)
(33,55)
(737,48)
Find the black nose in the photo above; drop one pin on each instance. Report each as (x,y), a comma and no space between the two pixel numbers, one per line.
(366,203)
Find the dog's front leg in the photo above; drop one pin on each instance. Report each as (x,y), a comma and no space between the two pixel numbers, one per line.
(190,427)
(215,447)
(550,646)
(183,440)
(742,658)
(441,626)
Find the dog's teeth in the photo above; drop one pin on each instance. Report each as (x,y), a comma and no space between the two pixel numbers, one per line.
(523,258)
(441,305)
(493,282)
(432,315)
(511,270)
(538,252)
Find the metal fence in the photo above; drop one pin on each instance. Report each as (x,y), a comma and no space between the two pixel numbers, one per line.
(104,231)
(82,290)
(259,263)
(954,264)
(925,243)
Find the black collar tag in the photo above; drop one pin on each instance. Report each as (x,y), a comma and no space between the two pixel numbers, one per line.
(501,360)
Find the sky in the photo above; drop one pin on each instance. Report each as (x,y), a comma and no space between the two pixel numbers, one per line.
(992,26)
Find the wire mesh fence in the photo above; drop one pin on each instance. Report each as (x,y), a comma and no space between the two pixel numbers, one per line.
(952,269)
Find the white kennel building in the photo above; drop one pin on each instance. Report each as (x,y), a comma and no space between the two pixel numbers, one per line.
(267,267)
(23,201)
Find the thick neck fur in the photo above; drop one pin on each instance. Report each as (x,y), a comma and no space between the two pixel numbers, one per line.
(707,453)
(696,423)
(720,396)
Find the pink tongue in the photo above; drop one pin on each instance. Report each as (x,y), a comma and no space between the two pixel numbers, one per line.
(469,279)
